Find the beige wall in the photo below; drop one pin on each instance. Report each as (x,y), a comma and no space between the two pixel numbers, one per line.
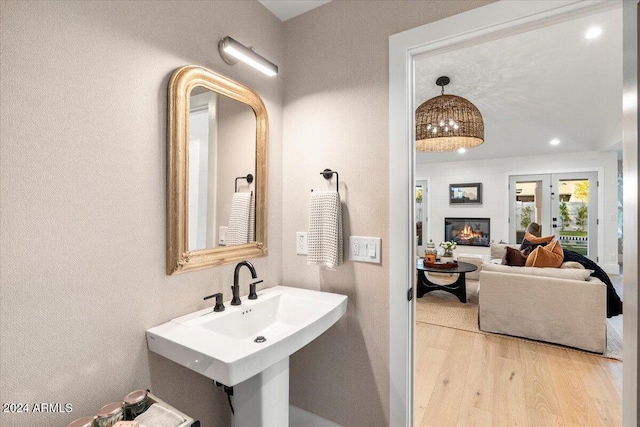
(336,116)
(82,196)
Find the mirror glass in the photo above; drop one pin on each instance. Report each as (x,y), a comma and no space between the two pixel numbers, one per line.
(216,171)
(222,158)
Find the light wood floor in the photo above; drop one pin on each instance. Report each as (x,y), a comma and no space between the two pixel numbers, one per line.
(469,379)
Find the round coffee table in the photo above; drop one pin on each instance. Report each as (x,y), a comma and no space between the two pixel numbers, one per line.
(457,288)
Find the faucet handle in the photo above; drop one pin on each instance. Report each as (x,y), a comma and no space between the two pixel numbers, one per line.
(219,305)
(252,289)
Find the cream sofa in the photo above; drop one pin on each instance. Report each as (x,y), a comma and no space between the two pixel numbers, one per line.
(557,305)
(474,259)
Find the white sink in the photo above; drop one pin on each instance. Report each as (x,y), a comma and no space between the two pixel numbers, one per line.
(221,345)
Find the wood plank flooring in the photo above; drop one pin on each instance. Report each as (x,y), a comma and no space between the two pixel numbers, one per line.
(468,379)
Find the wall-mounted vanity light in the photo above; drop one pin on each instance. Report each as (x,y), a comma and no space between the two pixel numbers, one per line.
(231,50)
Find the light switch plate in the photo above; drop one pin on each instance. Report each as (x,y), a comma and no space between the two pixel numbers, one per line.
(364,249)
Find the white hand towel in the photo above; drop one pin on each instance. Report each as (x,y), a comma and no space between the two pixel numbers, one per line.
(159,416)
(324,239)
(238,230)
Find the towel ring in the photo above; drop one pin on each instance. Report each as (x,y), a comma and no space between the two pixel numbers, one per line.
(328,174)
(249,179)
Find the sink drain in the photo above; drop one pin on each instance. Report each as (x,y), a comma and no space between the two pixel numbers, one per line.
(260,339)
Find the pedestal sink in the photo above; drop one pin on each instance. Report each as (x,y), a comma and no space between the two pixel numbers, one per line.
(247,347)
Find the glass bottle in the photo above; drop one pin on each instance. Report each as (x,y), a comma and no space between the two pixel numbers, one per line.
(110,414)
(135,403)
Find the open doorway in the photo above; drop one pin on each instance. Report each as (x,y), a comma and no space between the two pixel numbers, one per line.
(476,314)
(438,36)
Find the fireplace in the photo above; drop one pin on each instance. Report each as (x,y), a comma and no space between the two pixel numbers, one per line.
(468,231)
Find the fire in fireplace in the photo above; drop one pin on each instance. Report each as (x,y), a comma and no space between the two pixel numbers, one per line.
(468,231)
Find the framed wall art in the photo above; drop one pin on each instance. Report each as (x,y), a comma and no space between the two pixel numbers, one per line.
(465,194)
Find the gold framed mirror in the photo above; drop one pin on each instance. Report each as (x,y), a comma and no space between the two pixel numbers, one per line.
(217,135)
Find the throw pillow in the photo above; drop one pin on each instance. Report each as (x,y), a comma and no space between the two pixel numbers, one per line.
(497,250)
(572,264)
(556,248)
(516,258)
(532,241)
(551,255)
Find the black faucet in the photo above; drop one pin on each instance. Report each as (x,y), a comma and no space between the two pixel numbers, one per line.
(236,288)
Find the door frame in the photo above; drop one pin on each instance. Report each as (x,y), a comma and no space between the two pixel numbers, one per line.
(474,26)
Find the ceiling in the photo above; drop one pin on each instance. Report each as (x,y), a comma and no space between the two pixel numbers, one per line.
(535,86)
(287,9)
(532,87)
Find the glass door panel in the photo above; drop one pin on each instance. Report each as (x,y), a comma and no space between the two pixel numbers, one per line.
(529,197)
(574,212)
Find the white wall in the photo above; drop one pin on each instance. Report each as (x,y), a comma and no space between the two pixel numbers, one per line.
(493,175)
(83,196)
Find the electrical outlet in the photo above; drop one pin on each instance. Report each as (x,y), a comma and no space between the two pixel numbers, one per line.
(355,247)
(301,242)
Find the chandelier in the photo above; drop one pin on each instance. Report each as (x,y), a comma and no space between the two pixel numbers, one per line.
(448,123)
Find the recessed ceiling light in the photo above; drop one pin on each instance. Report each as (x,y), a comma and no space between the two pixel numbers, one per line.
(554,141)
(593,32)
(462,150)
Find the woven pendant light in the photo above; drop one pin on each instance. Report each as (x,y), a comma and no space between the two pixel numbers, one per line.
(448,122)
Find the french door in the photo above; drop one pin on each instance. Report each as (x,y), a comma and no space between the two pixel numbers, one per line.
(564,204)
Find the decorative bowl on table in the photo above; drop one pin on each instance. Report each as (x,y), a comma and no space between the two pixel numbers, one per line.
(441,265)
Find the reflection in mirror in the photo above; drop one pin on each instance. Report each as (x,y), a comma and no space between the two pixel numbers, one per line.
(222,134)
(216,171)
